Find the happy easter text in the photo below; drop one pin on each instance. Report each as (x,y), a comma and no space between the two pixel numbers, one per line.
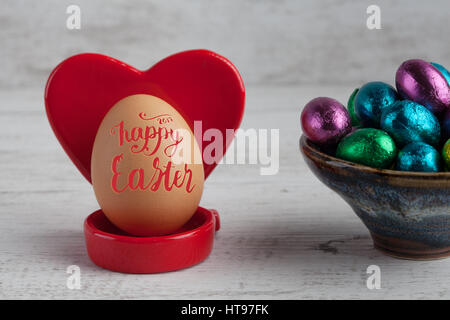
(146,141)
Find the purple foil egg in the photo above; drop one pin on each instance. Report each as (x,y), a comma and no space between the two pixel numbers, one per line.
(325,121)
(421,82)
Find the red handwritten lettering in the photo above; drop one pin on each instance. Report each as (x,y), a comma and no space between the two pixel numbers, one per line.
(162,176)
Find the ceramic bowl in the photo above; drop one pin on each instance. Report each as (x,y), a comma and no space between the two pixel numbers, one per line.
(407,213)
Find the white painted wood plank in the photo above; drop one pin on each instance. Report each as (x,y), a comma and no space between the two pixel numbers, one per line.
(283,237)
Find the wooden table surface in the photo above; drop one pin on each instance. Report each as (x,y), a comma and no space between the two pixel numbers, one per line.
(284,236)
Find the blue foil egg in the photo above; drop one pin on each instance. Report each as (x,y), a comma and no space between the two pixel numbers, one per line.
(442,70)
(371,100)
(407,121)
(419,157)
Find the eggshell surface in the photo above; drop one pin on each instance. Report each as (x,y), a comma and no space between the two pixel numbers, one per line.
(146,167)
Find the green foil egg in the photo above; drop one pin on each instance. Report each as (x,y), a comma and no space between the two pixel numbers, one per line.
(446,154)
(368,146)
(351,109)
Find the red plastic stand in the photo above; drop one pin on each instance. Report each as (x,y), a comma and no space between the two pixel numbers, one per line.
(111,248)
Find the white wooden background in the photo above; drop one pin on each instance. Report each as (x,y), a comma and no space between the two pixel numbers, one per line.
(283,237)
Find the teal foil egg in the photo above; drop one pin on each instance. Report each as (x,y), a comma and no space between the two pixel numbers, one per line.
(351,109)
(370,101)
(407,121)
(419,157)
(442,70)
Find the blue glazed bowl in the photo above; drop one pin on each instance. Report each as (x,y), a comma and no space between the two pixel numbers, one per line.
(407,213)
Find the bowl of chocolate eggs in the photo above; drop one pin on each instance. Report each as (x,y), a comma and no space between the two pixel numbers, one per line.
(387,154)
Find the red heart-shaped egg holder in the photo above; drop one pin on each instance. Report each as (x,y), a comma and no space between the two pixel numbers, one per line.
(200,84)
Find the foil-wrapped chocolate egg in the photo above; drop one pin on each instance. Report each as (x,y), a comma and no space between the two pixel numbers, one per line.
(442,70)
(325,120)
(420,81)
(418,157)
(351,109)
(445,125)
(370,101)
(446,154)
(407,121)
(368,146)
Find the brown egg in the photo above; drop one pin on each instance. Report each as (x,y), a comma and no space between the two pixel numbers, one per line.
(146,167)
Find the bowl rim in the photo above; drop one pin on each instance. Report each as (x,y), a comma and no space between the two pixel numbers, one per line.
(305,143)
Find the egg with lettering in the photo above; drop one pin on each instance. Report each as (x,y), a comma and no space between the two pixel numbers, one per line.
(146,167)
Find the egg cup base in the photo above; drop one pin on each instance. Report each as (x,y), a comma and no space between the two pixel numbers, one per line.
(408,250)
(110,248)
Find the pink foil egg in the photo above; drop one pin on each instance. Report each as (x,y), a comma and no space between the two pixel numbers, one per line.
(325,121)
(421,82)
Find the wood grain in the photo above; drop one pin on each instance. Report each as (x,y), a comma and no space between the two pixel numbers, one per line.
(283,237)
